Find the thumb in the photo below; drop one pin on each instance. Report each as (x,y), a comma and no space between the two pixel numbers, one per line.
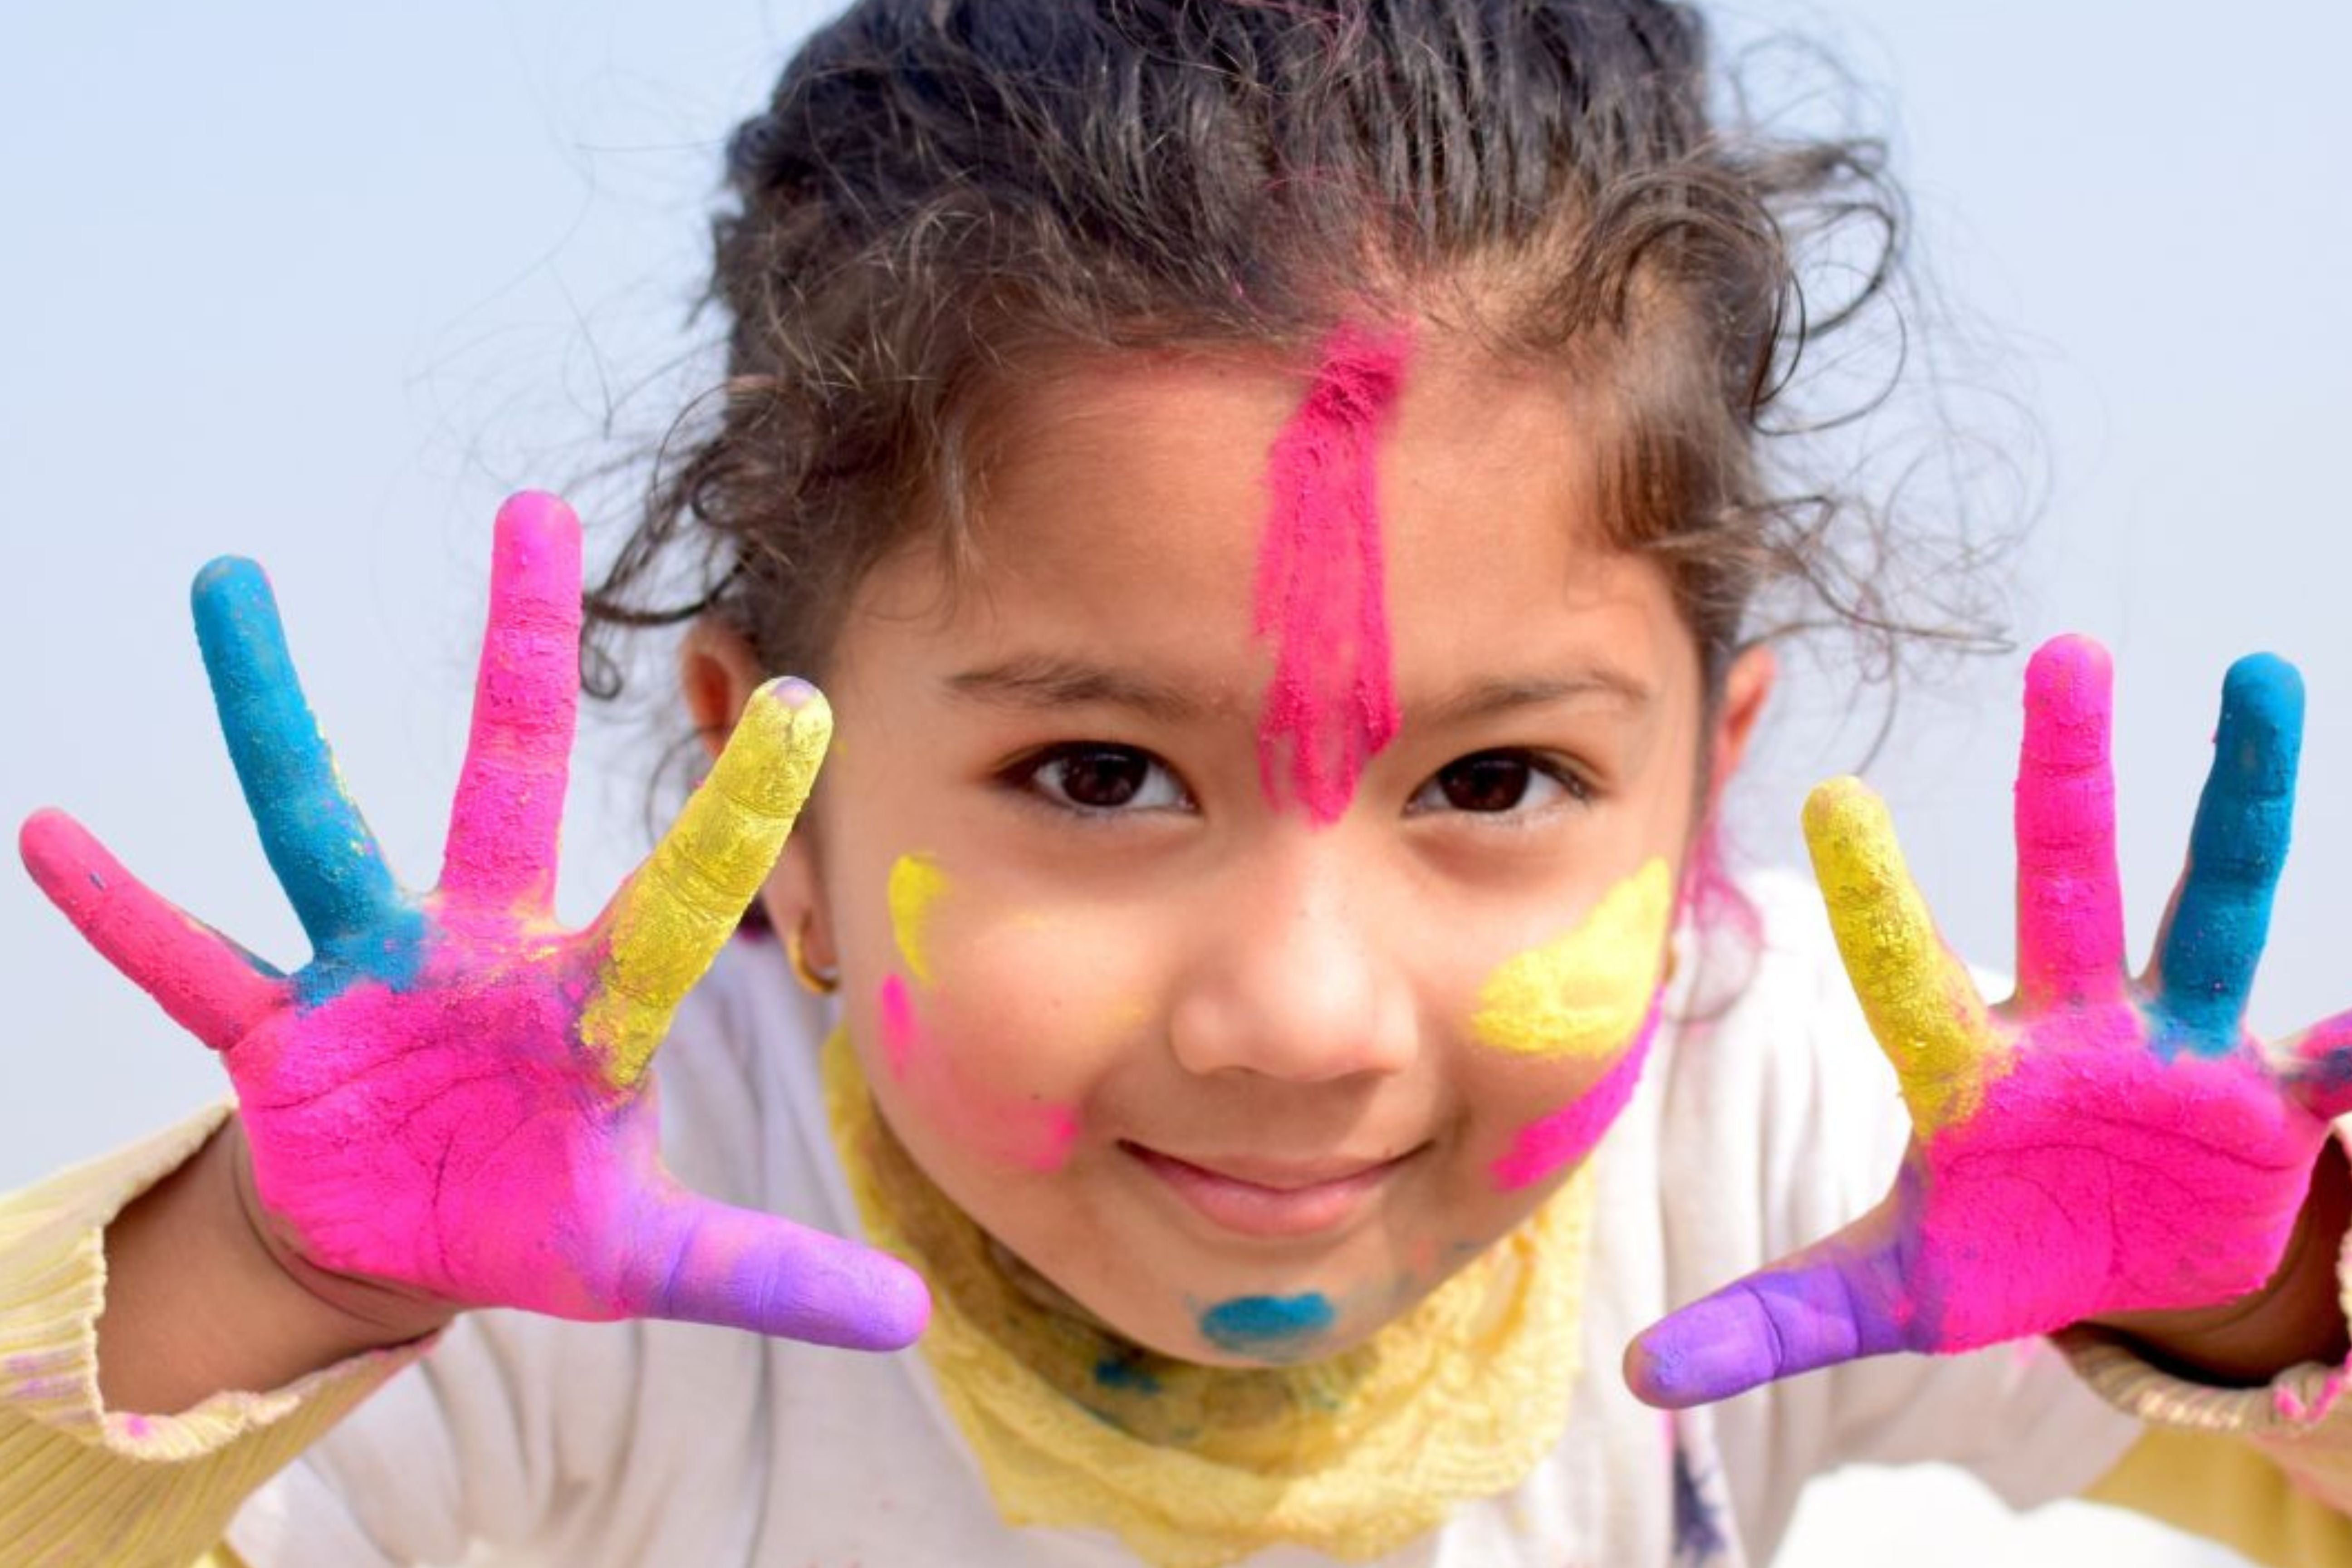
(696,1260)
(1837,1301)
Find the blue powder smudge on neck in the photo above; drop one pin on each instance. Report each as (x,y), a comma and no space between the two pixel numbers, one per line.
(1279,1328)
(1125,1373)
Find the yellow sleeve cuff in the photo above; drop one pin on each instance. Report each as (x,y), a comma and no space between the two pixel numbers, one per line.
(79,1483)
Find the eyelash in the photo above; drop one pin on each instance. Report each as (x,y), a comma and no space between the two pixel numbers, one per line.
(1028,773)
(1575,786)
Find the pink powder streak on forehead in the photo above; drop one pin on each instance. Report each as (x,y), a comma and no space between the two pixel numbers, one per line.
(1331,704)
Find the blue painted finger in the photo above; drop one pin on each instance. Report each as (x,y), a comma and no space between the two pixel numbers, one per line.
(317,842)
(2214,939)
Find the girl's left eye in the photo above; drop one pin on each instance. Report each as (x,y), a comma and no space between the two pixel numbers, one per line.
(1495,783)
(1099,779)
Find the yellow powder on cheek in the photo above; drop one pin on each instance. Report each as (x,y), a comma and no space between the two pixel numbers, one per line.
(916,884)
(1583,993)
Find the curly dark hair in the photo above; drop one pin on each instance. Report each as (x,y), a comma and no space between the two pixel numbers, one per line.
(941,193)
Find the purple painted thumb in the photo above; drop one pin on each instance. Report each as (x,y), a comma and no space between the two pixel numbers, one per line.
(705,1262)
(1824,1305)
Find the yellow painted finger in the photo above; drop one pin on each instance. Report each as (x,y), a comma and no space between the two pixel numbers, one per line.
(670,919)
(1918,998)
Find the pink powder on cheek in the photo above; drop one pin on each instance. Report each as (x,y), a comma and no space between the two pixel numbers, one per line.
(1031,1134)
(1554,1142)
(899,1035)
(1331,703)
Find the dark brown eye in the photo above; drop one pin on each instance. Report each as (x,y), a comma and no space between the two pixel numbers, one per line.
(1103,778)
(1493,782)
(1485,782)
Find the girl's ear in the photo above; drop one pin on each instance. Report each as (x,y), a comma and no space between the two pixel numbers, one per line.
(1745,687)
(716,675)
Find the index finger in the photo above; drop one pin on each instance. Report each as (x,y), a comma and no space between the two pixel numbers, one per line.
(1922,1006)
(2237,847)
(2069,918)
(670,919)
(317,842)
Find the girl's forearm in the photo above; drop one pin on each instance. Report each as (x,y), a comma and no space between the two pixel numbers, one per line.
(197,1299)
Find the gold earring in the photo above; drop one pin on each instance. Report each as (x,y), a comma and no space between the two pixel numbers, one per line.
(816,982)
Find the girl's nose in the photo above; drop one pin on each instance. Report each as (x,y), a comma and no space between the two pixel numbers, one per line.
(1292,974)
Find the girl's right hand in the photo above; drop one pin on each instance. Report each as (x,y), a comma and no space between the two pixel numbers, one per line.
(451,1098)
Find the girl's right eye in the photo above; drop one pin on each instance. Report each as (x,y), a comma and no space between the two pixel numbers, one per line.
(1098,779)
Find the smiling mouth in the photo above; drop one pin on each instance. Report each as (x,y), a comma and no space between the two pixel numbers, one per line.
(1272,1201)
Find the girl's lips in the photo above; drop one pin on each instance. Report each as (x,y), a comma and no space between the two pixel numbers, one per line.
(1281,1203)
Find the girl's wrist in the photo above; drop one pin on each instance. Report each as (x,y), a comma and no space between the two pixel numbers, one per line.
(2296,1317)
(201,1296)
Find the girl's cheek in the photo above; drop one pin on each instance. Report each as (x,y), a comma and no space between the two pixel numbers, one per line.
(1580,1010)
(963,1022)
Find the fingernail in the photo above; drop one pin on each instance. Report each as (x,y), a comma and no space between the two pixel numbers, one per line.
(792,691)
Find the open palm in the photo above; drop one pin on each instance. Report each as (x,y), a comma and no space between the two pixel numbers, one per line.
(2098,1144)
(453,1095)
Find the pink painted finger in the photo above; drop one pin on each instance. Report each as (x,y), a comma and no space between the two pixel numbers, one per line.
(699,1261)
(2070,920)
(509,803)
(2317,1067)
(209,985)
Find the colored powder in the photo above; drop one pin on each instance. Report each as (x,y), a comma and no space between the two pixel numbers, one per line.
(2291,1406)
(317,843)
(209,986)
(916,884)
(2070,922)
(666,924)
(1126,1374)
(1272,1328)
(2236,847)
(2094,1181)
(1331,703)
(900,1037)
(1582,994)
(508,815)
(1558,1141)
(1032,1135)
(2319,1068)
(2076,1187)
(469,1162)
(1922,1005)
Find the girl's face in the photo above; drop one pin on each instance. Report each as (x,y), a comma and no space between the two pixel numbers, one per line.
(1245,1083)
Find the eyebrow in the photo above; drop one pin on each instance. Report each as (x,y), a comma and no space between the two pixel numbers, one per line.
(1492,698)
(1044,681)
(1037,681)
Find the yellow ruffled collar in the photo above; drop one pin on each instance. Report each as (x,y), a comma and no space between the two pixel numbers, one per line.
(1195,1466)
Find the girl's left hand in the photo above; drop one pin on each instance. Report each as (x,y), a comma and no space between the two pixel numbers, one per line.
(2094,1146)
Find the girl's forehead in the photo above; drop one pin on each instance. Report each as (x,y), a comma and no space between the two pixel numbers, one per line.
(1128,498)
(1151,457)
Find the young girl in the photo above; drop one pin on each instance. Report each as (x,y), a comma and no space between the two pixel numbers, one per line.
(1271,494)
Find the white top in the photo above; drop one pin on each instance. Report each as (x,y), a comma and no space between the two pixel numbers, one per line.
(1763,1123)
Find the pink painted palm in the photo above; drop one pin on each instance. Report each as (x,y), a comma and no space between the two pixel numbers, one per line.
(453,1097)
(2094,1146)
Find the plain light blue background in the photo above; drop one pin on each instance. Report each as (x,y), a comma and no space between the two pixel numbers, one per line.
(320,284)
